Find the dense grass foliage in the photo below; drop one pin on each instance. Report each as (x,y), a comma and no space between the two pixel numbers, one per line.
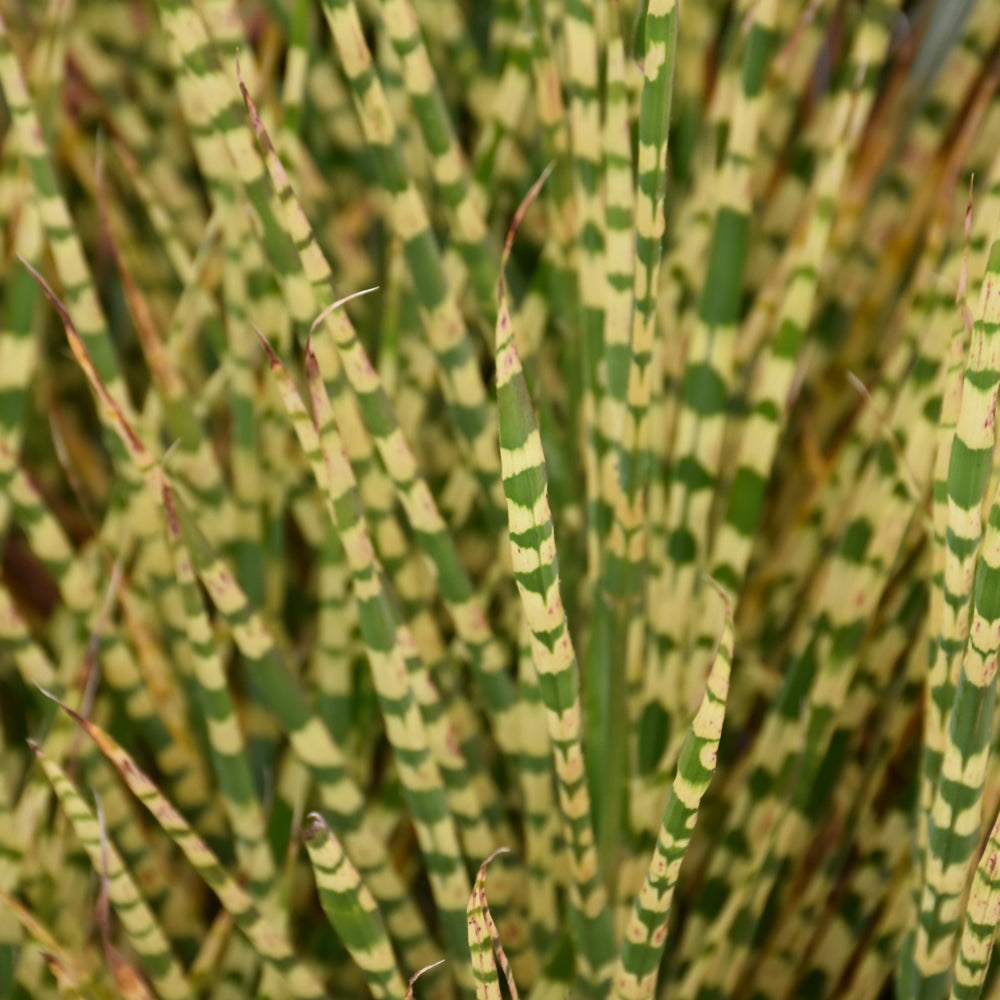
(499,498)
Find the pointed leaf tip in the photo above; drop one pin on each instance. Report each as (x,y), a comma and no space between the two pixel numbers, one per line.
(520,213)
(336,305)
(416,975)
(272,356)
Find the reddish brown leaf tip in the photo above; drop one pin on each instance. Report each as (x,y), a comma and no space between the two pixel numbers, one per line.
(74,715)
(272,357)
(727,599)
(522,211)
(416,975)
(239,77)
(314,827)
(50,295)
(496,853)
(170,509)
(312,362)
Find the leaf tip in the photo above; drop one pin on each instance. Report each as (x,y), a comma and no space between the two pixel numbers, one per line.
(314,826)
(416,975)
(336,305)
(272,357)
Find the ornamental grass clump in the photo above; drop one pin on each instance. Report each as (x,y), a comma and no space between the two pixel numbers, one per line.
(499,498)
